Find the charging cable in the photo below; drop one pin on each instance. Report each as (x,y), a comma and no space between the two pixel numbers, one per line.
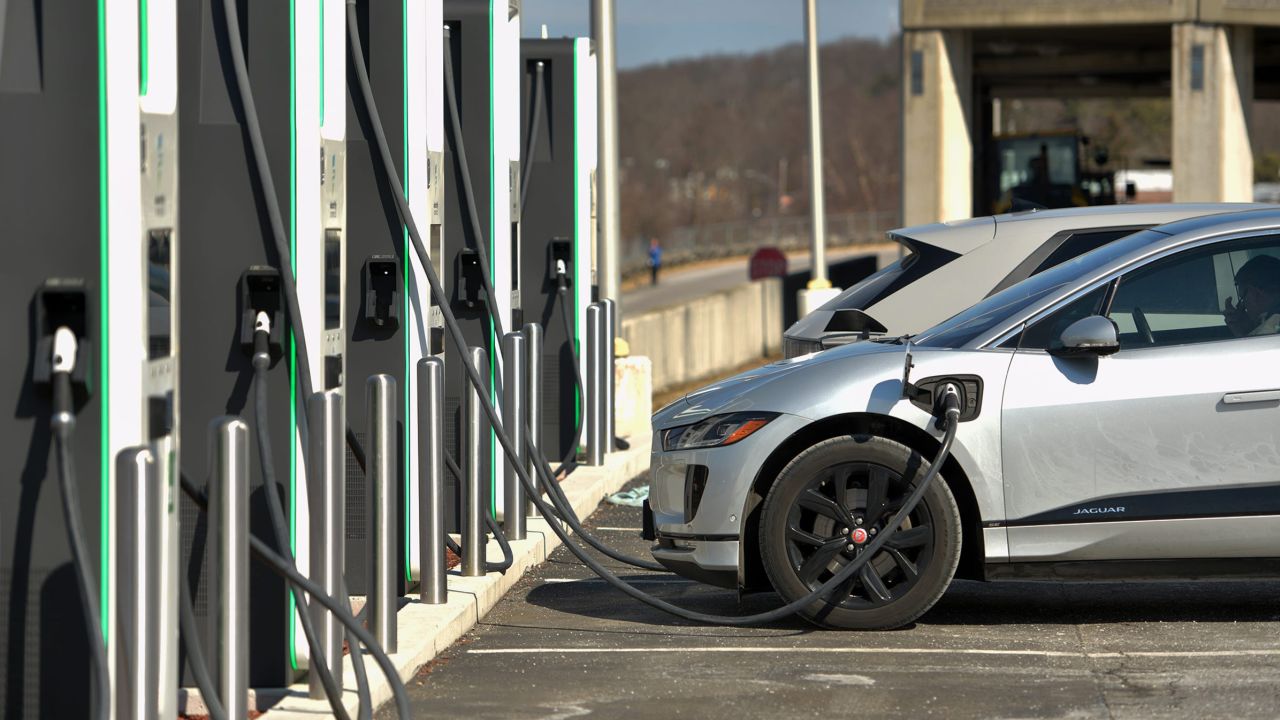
(63,424)
(950,400)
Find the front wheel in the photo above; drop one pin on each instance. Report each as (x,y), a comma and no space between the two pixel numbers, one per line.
(830,502)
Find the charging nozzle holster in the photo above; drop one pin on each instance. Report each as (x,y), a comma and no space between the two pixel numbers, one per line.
(261,292)
(63,303)
(560,261)
(381,291)
(472,276)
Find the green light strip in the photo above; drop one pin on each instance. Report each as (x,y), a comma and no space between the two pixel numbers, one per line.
(293,348)
(408,364)
(144,53)
(493,267)
(577,240)
(104,518)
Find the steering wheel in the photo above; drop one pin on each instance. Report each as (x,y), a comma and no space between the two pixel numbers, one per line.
(1144,327)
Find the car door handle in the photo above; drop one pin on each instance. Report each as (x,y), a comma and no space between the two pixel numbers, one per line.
(1239,398)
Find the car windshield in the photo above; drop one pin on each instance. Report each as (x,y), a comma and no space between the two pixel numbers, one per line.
(964,327)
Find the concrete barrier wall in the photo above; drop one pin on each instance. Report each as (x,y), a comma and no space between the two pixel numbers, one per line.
(710,335)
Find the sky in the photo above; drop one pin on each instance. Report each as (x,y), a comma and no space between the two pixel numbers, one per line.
(654,31)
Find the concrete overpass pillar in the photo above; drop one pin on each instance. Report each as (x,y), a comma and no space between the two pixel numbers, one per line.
(937,126)
(1212,101)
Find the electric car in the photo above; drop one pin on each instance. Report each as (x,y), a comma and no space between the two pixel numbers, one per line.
(1121,418)
(947,267)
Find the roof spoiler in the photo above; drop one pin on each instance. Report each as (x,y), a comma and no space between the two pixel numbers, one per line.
(853,320)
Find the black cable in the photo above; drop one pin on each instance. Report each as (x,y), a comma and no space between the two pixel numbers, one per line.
(460,150)
(535,124)
(364,710)
(288,283)
(278,565)
(195,654)
(565,510)
(263,169)
(508,557)
(63,426)
(951,417)
(261,361)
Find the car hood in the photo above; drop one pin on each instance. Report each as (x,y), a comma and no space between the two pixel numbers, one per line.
(789,386)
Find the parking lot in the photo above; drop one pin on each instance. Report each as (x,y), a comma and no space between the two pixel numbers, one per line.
(563,644)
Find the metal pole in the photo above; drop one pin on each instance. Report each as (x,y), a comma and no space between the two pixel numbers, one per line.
(609,320)
(380,506)
(229,561)
(138,549)
(533,400)
(595,385)
(604,31)
(433,589)
(473,535)
(327,482)
(514,421)
(818,200)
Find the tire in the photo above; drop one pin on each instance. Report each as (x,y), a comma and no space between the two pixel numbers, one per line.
(800,533)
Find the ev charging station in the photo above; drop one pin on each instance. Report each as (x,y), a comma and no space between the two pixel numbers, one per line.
(389,308)
(296,64)
(88,190)
(558,229)
(483,51)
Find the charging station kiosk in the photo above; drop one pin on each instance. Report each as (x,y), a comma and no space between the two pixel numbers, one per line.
(557,225)
(296,62)
(484,45)
(388,315)
(88,192)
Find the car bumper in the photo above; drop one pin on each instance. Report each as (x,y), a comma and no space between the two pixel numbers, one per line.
(698,498)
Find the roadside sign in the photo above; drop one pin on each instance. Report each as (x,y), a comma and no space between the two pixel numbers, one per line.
(767,262)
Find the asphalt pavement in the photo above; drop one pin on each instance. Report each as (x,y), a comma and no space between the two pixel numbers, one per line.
(562,644)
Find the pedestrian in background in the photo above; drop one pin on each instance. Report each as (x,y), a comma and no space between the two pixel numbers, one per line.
(655,260)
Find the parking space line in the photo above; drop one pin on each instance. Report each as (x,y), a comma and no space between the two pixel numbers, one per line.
(629,581)
(621,529)
(895,651)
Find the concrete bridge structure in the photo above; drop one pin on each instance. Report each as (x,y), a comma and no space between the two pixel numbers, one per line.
(1212,58)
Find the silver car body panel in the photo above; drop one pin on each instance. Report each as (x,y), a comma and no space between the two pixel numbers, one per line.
(990,248)
(1248,536)
(1068,460)
(812,388)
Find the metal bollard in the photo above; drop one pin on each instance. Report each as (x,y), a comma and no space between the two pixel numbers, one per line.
(533,404)
(433,588)
(229,561)
(595,385)
(138,549)
(609,309)
(380,506)
(327,482)
(473,509)
(513,420)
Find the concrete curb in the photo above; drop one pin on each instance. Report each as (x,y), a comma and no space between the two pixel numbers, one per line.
(427,630)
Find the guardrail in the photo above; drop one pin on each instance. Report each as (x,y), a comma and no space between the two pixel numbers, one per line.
(742,237)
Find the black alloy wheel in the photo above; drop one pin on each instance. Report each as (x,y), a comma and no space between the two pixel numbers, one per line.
(830,503)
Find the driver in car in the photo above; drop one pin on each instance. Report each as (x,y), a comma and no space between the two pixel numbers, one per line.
(1258,283)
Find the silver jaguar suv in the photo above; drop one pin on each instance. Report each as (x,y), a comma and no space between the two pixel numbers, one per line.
(1121,419)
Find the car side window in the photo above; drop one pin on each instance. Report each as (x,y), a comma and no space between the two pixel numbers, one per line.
(1041,334)
(1224,291)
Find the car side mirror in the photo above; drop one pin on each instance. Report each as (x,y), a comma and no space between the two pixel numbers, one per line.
(1091,336)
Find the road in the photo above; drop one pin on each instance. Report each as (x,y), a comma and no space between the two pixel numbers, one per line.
(564,645)
(681,285)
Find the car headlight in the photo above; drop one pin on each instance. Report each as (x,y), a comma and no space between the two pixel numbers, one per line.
(715,431)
